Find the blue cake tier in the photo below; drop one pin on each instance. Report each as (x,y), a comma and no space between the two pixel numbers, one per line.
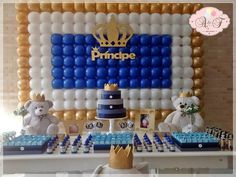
(110,94)
(111,113)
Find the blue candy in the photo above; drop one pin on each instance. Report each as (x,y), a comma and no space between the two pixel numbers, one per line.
(57,50)
(91,83)
(69,72)
(68,50)
(79,50)
(68,39)
(69,83)
(80,84)
(79,39)
(57,73)
(56,39)
(80,61)
(57,83)
(69,61)
(91,72)
(101,72)
(57,61)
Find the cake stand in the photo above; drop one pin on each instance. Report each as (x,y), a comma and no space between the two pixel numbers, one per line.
(111,122)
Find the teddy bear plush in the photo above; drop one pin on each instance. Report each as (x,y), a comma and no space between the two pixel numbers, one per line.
(180,120)
(39,121)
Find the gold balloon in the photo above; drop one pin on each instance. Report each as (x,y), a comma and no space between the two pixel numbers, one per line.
(59,114)
(34,7)
(197,52)
(197,41)
(197,83)
(195,33)
(22,17)
(79,7)
(101,7)
(23,73)
(134,7)
(132,114)
(112,7)
(46,7)
(22,39)
(187,8)
(166,8)
(23,51)
(197,7)
(68,7)
(23,95)
(177,8)
(158,114)
(23,62)
(22,28)
(198,92)
(21,7)
(165,113)
(80,115)
(198,73)
(145,7)
(155,8)
(23,84)
(197,62)
(69,115)
(57,7)
(90,7)
(91,114)
(123,8)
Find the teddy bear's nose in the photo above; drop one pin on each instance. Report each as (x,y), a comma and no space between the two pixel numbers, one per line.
(181,106)
(40,110)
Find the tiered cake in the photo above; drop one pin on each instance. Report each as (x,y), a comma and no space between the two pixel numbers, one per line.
(110,104)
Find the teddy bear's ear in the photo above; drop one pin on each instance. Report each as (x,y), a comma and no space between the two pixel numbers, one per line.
(27,104)
(195,100)
(173,98)
(50,103)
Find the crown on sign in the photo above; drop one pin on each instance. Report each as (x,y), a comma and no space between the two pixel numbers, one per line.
(112,34)
(38,97)
(121,158)
(110,87)
(185,94)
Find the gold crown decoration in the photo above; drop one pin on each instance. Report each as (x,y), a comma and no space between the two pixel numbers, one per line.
(112,34)
(185,94)
(110,87)
(121,158)
(38,97)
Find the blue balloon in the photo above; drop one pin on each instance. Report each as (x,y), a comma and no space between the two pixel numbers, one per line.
(79,39)
(135,62)
(134,83)
(89,48)
(101,72)
(80,84)
(166,40)
(91,83)
(145,83)
(91,72)
(69,61)
(123,72)
(134,40)
(89,39)
(100,83)
(101,62)
(57,73)
(112,62)
(113,72)
(134,49)
(124,50)
(156,51)
(134,72)
(79,72)
(156,61)
(145,51)
(156,72)
(166,83)
(166,73)
(102,49)
(56,39)
(166,51)
(57,50)
(69,83)
(80,61)
(156,40)
(68,50)
(68,72)
(79,50)
(90,62)
(68,39)
(124,83)
(57,61)
(145,61)
(57,83)
(145,39)
(124,63)
(145,72)
(113,81)
(156,83)
(166,62)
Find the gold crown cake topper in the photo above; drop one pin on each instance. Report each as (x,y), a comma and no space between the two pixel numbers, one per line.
(112,34)
(38,97)
(110,87)
(121,158)
(185,94)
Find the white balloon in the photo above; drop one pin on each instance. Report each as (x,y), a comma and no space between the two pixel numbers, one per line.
(79,17)
(109,15)
(46,72)
(186,30)
(91,104)
(135,28)
(47,93)
(124,93)
(56,17)
(166,94)
(46,61)
(58,95)
(56,28)
(91,94)
(123,18)
(34,61)
(186,51)
(176,61)
(34,50)
(69,94)
(176,51)
(45,39)
(80,94)
(175,92)
(176,30)
(186,40)
(35,84)
(188,72)
(68,104)
(176,40)
(68,17)
(101,18)
(90,17)
(46,83)
(126,103)
(45,28)
(155,29)
(166,104)
(177,72)
(34,17)
(176,19)
(145,94)
(185,19)
(177,83)
(134,94)
(80,104)
(133,104)
(166,29)
(79,28)
(68,28)
(34,39)
(187,83)
(145,18)
(144,28)
(155,104)
(155,18)
(166,19)
(45,17)
(145,104)
(89,28)
(155,93)
(58,105)
(187,61)
(134,18)
(34,28)
(45,50)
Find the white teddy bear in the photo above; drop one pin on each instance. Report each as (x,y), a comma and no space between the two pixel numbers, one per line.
(179,120)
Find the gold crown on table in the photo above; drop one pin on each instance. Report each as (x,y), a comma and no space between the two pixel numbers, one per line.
(110,87)
(185,94)
(121,158)
(38,97)
(112,34)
